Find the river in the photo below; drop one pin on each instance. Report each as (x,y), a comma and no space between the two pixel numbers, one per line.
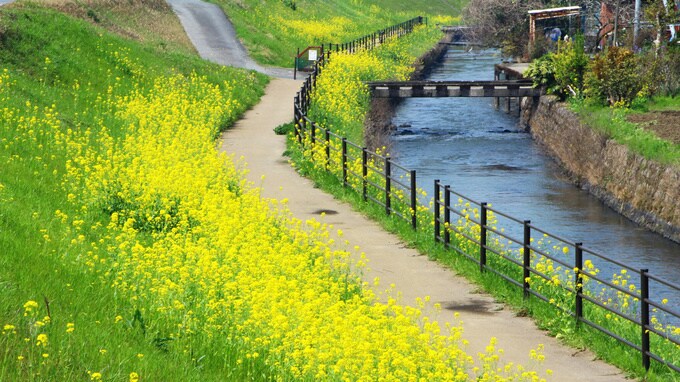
(483,154)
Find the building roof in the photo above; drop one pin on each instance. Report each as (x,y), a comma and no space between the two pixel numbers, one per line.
(540,14)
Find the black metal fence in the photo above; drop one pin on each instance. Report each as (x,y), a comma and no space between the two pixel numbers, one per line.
(377,177)
(563,275)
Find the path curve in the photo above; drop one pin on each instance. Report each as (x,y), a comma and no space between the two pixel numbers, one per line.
(215,38)
(412,274)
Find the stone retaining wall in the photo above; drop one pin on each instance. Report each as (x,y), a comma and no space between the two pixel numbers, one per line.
(642,190)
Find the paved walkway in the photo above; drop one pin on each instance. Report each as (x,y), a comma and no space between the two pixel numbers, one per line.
(215,38)
(414,275)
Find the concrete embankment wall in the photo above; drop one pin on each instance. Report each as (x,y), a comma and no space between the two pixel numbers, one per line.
(642,190)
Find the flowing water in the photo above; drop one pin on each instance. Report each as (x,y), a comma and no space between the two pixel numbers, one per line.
(483,154)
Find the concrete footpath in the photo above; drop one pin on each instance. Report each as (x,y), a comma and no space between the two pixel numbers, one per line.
(412,274)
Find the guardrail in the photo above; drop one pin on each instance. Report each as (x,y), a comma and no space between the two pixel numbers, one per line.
(526,263)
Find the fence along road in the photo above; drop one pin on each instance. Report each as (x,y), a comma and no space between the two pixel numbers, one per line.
(389,259)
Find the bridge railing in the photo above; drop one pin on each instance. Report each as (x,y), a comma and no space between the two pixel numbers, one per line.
(548,267)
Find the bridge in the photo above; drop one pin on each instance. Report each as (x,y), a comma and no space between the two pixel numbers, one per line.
(508,90)
(498,88)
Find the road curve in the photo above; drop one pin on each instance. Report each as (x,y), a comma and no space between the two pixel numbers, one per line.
(214,37)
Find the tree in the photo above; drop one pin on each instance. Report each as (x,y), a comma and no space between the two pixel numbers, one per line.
(661,13)
(501,23)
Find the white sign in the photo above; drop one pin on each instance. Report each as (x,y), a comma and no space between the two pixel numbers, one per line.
(312,55)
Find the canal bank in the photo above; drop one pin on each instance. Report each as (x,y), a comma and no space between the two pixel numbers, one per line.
(488,156)
(640,189)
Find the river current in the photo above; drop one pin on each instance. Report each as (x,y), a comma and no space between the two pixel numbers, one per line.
(483,154)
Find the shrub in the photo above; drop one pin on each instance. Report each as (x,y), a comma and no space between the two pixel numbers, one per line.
(542,71)
(614,76)
(561,73)
(668,73)
(570,64)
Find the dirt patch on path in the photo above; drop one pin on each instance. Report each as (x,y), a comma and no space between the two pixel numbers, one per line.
(665,124)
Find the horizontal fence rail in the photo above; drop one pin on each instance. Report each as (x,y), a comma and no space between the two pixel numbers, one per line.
(543,265)
(547,266)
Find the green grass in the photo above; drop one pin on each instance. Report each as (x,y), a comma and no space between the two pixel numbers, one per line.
(273,32)
(46,54)
(613,123)
(664,103)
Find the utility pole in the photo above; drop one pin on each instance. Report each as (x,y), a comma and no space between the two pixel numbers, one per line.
(616,23)
(636,27)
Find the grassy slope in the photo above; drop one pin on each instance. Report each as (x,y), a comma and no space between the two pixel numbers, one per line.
(272,31)
(46,53)
(613,123)
(151,22)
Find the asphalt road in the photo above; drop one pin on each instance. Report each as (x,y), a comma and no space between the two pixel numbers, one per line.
(214,37)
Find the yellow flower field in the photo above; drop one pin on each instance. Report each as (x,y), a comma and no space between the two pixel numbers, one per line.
(211,270)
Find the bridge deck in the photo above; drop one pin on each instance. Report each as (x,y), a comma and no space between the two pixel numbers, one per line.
(408,89)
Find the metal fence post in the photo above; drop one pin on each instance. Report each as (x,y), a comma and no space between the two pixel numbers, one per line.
(414,206)
(297,57)
(313,134)
(364,172)
(327,134)
(526,263)
(388,185)
(644,316)
(437,208)
(482,237)
(344,162)
(447,214)
(578,279)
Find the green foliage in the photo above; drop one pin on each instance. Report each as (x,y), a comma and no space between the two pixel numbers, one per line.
(561,73)
(290,4)
(272,31)
(570,64)
(615,77)
(542,71)
(284,129)
(614,124)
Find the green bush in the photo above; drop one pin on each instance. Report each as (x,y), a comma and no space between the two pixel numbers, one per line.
(615,77)
(570,64)
(561,73)
(542,72)
(668,74)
